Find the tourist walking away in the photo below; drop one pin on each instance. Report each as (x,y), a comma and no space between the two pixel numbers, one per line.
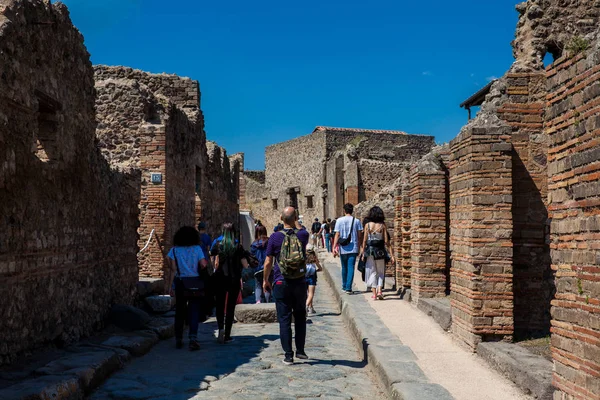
(286,255)
(229,258)
(259,250)
(376,249)
(312,267)
(327,227)
(205,239)
(315,230)
(186,261)
(348,235)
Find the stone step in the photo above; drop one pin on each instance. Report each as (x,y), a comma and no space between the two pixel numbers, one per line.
(160,303)
(256,313)
(150,286)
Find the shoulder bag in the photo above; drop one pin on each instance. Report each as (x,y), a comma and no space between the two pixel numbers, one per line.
(346,241)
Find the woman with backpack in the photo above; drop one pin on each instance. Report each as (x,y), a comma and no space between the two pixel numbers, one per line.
(375,248)
(259,250)
(229,258)
(186,261)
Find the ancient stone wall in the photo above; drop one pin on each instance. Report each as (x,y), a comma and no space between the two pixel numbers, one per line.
(69,244)
(429,245)
(533,278)
(573,129)
(481,226)
(552,26)
(140,127)
(220,190)
(184,92)
(297,165)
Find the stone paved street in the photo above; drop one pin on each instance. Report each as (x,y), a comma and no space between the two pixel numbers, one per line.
(251,367)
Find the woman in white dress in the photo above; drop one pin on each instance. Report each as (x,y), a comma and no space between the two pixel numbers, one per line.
(375,248)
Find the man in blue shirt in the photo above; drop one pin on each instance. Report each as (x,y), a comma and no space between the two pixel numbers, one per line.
(205,240)
(289,294)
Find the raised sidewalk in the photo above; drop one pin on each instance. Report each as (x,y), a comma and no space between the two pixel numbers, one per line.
(411,354)
(393,363)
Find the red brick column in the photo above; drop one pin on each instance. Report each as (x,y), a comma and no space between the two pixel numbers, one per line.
(152,203)
(398,234)
(428,230)
(481,230)
(405,228)
(573,126)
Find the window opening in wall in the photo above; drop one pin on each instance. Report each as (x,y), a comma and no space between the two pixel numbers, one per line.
(46,146)
(553,53)
(275,204)
(309,202)
(292,198)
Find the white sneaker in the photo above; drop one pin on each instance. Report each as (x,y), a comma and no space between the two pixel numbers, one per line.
(221,337)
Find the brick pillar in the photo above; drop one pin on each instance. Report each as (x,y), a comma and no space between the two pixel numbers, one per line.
(572,124)
(398,234)
(405,227)
(152,203)
(481,230)
(428,229)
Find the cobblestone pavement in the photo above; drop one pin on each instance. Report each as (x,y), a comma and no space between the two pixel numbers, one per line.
(251,367)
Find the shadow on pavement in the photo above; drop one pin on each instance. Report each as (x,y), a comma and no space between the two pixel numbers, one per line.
(170,373)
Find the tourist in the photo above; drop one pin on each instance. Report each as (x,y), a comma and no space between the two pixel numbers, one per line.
(315,230)
(362,261)
(327,228)
(259,251)
(312,267)
(229,258)
(348,236)
(375,248)
(186,260)
(205,240)
(286,255)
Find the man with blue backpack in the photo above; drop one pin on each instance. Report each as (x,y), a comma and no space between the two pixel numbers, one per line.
(286,256)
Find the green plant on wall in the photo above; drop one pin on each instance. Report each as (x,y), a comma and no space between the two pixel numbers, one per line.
(579,286)
(577,45)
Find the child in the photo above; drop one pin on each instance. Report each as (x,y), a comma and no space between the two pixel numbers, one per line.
(312,266)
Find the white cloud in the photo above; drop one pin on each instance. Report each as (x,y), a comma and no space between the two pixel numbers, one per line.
(427,73)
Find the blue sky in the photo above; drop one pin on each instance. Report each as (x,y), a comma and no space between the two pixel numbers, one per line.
(273,70)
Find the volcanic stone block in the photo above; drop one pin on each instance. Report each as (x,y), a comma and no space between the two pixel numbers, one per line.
(256,313)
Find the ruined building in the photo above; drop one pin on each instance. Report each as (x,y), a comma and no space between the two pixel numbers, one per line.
(320,172)
(96,164)
(504,220)
(153,123)
(68,222)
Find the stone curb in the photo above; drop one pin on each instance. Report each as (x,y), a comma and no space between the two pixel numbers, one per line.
(85,366)
(439,310)
(531,373)
(392,362)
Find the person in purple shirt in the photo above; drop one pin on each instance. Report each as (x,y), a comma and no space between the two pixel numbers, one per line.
(289,294)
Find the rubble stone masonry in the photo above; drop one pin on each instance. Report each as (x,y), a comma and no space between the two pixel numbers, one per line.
(67,221)
(573,127)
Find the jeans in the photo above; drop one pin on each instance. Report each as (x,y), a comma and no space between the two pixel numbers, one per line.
(348,262)
(226,288)
(328,242)
(189,305)
(290,298)
(258,291)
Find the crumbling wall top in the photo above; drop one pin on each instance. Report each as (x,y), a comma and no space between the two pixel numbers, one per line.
(551,26)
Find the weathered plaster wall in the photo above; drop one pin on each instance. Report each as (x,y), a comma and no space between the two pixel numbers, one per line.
(68,222)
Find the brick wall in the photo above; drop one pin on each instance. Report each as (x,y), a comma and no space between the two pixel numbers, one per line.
(430,273)
(69,240)
(481,225)
(533,278)
(405,226)
(572,124)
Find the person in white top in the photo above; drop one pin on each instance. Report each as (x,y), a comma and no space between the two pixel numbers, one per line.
(348,235)
(375,248)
